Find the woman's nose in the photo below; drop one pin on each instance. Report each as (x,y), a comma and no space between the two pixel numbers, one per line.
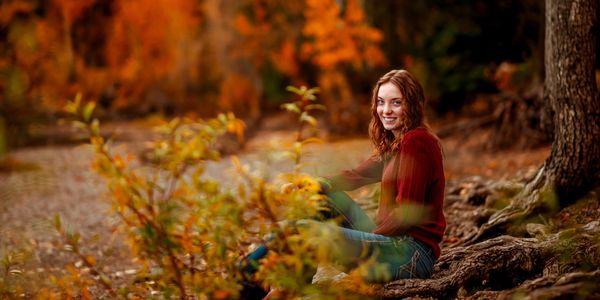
(387,108)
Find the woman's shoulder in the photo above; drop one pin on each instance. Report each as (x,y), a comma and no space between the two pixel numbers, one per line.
(420,140)
(420,134)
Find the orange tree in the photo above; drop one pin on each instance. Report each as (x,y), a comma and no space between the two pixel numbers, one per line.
(341,45)
(264,44)
(118,53)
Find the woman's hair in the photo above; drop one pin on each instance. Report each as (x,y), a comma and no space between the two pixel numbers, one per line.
(413,101)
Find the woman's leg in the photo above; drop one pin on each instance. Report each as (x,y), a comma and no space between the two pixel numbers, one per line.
(340,206)
(350,215)
(404,256)
(352,218)
(421,262)
(386,258)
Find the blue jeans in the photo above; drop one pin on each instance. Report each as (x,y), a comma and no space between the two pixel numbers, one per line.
(392,257)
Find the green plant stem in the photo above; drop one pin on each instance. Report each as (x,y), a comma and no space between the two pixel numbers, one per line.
(298,156)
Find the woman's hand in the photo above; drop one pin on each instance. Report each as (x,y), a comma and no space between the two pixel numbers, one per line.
(309,185)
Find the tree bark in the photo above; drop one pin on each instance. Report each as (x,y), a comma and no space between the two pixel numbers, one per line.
(578,285)
(573,167)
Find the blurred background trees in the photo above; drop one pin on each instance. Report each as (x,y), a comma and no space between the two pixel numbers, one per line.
(456,47)
(207,56)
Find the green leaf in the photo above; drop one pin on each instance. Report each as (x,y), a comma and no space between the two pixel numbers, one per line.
(78,99)
(314,90)
(88,110)
(291,107)
(73,106)
(222,118)
(312,140)
(302,91)
(95,127)
(78,125)
(305,117)
(293,89)
(297,147)
(316,106)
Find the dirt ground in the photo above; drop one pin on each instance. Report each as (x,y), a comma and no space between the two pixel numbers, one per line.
(64,184)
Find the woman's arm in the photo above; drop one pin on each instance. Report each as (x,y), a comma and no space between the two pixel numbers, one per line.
(365,173)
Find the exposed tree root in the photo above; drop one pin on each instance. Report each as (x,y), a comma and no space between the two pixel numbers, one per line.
(529,202)
(504,266)
(470,205)
(474,266)
(571,285)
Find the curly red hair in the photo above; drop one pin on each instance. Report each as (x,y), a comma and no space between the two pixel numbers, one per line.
(413,99)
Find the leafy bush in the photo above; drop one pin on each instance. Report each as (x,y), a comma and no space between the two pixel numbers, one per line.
(188,232)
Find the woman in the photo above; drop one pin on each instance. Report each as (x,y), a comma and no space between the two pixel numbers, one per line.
(407,161)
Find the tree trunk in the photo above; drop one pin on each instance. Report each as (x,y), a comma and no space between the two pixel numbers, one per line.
(573,167)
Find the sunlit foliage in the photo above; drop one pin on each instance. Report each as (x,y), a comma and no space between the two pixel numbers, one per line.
(188,232)
(337,36)
(137,57)
(153,43)
(338,40)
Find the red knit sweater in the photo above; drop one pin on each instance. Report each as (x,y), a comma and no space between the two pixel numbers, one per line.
(412,188)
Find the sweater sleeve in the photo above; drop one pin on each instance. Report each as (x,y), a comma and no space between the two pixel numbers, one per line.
(413,177)
(365,173)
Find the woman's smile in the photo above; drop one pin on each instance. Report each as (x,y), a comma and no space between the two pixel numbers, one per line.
(389,107)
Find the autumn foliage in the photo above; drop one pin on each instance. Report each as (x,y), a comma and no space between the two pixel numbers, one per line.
(136,57)
(188,233)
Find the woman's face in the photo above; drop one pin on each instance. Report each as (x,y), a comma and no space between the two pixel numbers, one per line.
(390,107)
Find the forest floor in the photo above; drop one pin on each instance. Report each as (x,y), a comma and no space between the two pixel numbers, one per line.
(59,181)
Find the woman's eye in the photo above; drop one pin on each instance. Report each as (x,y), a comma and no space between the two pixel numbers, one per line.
(379,102)
(397,102)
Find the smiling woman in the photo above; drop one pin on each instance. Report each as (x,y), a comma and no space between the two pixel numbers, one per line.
(389,108)
(406,102)
(402,240)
